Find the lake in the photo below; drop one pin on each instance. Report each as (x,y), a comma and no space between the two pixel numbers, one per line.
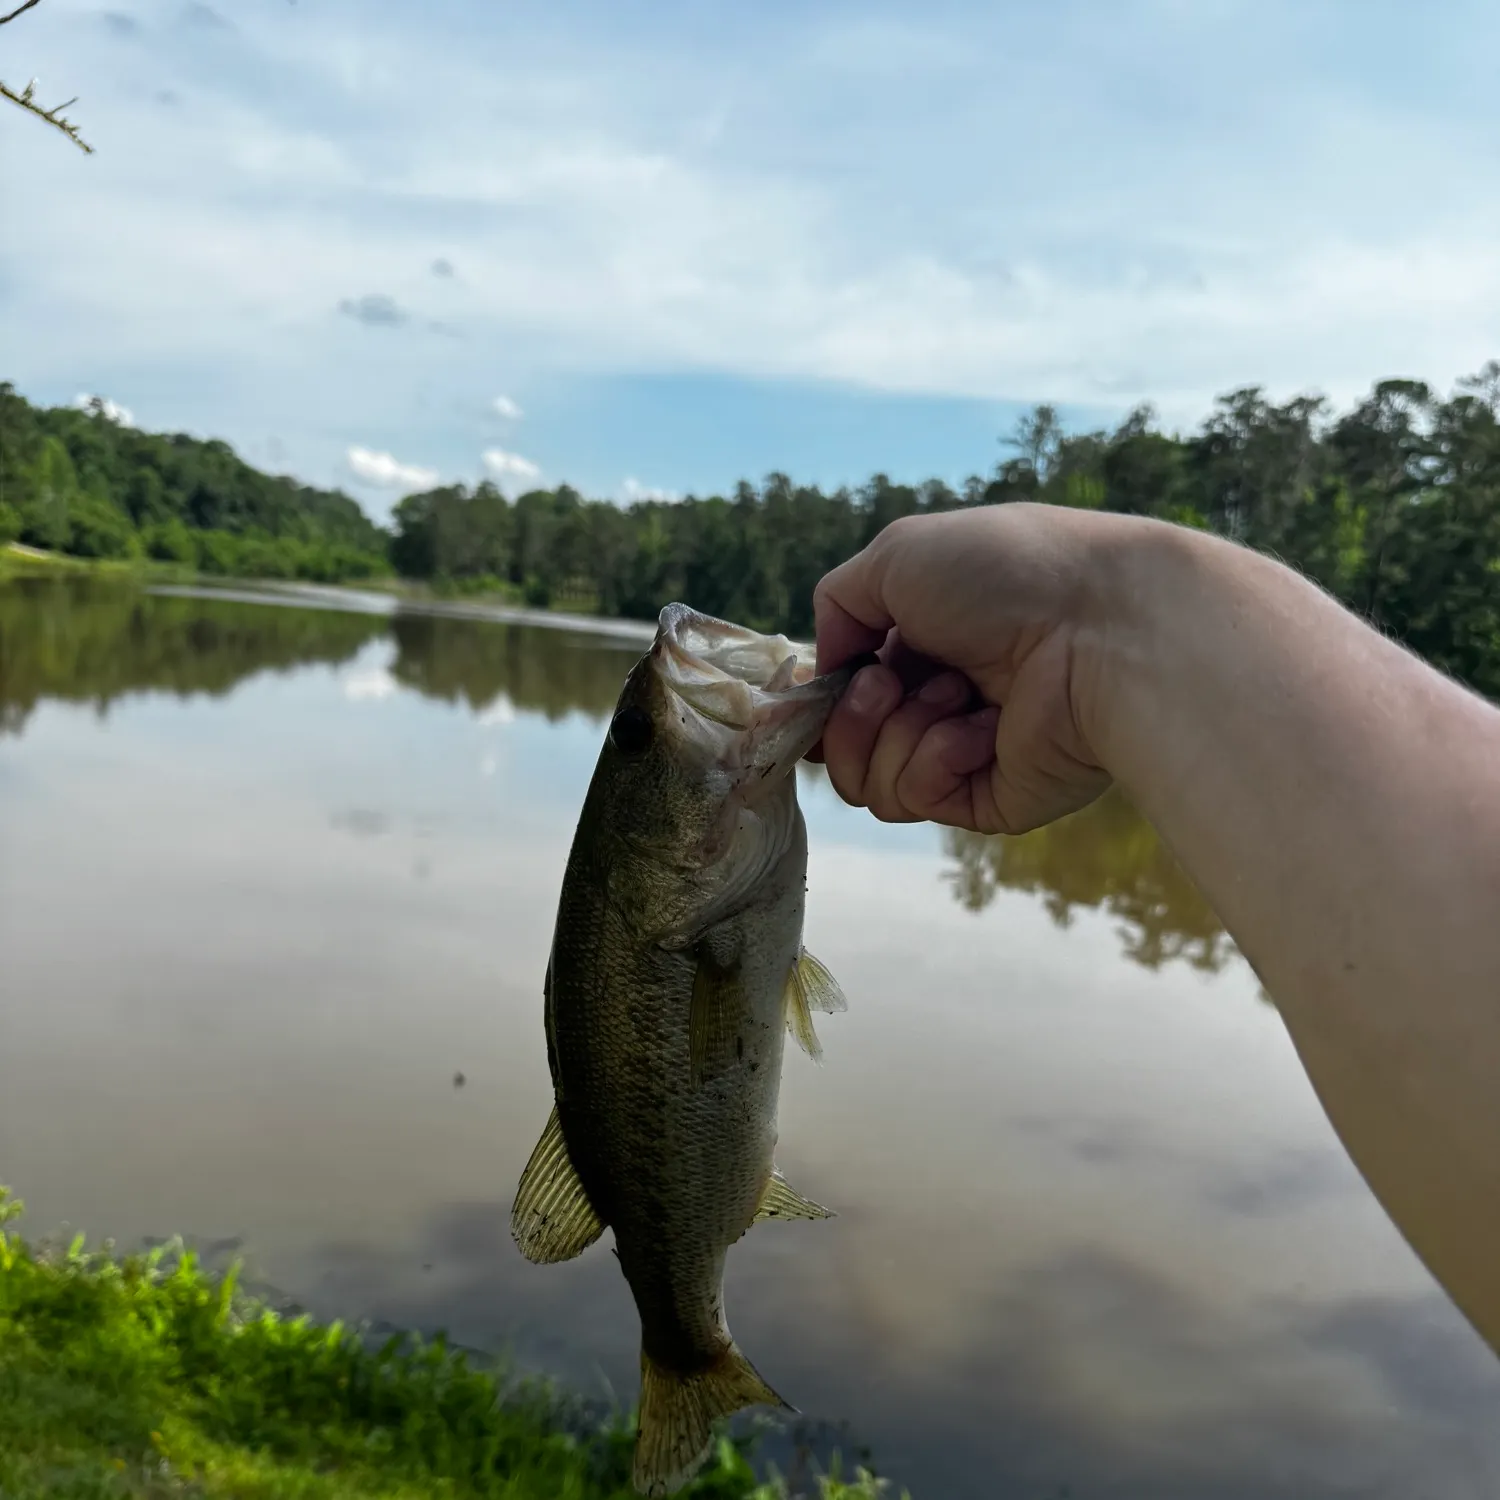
(277,885)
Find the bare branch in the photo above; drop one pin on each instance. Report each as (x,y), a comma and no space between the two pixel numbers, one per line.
(17,11)
(54,116)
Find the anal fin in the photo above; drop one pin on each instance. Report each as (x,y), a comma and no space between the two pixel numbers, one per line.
(552,1219)
(782,1201)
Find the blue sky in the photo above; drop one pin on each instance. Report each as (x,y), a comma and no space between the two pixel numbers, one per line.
(693,242)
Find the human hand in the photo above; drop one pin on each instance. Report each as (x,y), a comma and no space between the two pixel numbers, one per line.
(990,625)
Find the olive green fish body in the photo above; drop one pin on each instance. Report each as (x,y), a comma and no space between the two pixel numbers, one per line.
(676,970)
(676,1167)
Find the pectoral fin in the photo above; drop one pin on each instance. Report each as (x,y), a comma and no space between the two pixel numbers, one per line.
(820,987)
(782,1201)
(552,1219)
(810,987)
(714,1020)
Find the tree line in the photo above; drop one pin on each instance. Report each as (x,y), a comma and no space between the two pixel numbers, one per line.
(1392,505)
(83,482)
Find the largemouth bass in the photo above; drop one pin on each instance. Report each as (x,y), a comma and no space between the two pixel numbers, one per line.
(677,969)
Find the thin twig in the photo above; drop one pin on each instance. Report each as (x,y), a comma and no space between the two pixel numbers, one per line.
(17,11)
(53,117)
(27,101)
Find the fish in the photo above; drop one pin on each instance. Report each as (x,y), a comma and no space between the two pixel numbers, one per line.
(676,972)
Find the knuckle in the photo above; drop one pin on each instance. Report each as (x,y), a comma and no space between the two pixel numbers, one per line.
(896,533)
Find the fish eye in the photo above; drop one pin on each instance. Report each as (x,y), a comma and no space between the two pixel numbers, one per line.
(630,730)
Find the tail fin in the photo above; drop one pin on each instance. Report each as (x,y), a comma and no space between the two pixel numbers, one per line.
(678,1413)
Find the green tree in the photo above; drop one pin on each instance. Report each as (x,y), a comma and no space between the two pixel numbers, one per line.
(1439,585)
(1383,451)
(86,482)
(98,529)
(170,541)
(51,488)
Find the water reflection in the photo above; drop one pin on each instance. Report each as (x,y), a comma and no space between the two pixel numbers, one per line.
(1106,856)
(533,668)
(1094,1236)
(72,639)
(75,640)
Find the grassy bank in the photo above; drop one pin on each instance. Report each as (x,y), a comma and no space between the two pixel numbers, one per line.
(136,1377)
(17,561)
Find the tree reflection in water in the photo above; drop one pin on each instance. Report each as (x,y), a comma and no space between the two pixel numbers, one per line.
(1105,856)
(76,640)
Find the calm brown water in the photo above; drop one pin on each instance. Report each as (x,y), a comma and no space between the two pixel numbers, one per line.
(270,877)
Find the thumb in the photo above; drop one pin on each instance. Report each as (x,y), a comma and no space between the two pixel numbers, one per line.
(849,613)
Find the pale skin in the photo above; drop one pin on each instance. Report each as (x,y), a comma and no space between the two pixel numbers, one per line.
(1336,799)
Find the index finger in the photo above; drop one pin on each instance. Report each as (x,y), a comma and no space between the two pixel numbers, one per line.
(848,614)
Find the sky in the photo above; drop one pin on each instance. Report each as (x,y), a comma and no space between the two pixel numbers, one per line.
(658,247)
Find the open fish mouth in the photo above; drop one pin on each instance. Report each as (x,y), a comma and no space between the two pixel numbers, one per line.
(724,670)
(755,690)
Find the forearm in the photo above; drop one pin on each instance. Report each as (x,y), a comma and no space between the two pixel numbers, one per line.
(1339,803)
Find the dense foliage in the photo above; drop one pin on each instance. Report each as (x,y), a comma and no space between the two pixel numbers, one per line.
(1393,506)
(82,482)
(136,1377)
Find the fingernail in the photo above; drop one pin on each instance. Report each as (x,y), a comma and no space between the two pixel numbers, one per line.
(944,691)
(869,692)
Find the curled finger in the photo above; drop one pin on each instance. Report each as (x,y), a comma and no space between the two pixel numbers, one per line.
(902,731)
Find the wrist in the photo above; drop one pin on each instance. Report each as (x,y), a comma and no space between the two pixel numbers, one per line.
(1152,589)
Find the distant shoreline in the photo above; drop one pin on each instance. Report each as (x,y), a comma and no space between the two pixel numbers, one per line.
(381,596)
(370,596)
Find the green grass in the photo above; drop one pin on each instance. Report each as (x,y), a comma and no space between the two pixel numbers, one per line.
(15,563)
(13,560)
(123,1378)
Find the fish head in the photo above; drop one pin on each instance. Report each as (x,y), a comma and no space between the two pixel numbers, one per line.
(701,755)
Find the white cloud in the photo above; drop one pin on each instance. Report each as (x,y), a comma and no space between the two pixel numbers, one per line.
(503,465)
(1122,243)
(389,472)
(110,410)
(507,408)
(633,490)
